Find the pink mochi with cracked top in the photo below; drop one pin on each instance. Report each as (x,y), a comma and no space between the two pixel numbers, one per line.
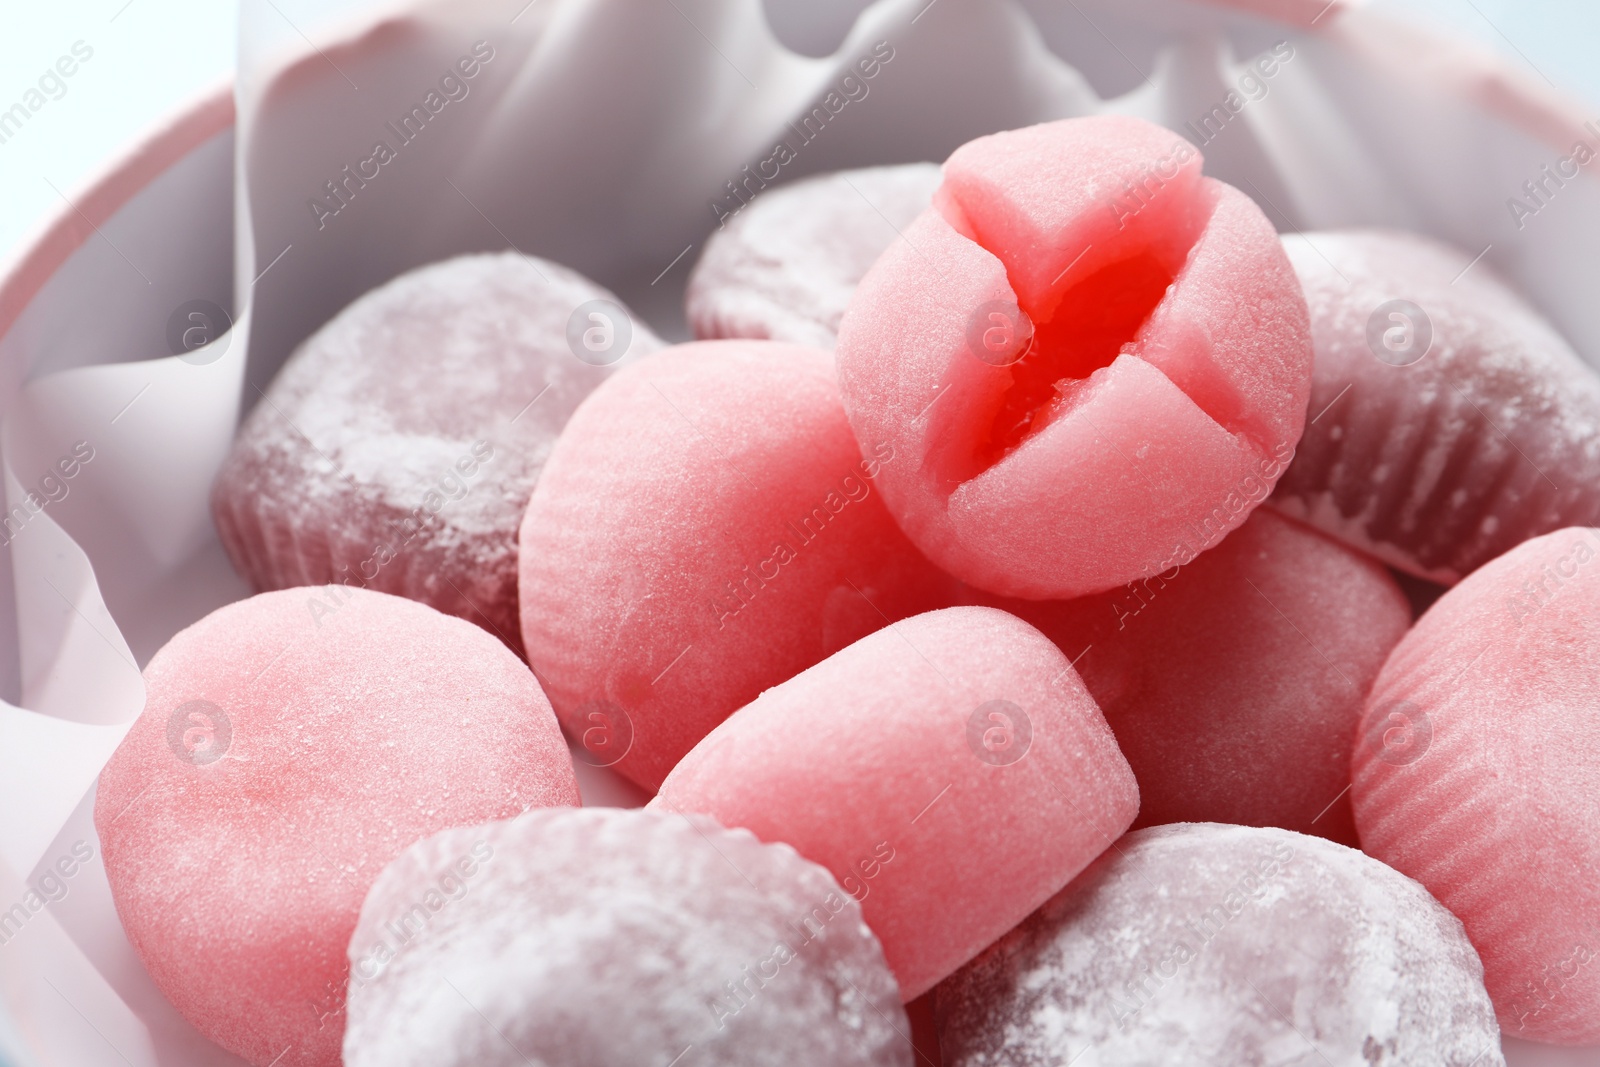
(706,527)
(950,770)
(291,745)
(1086,351)
(1477,772)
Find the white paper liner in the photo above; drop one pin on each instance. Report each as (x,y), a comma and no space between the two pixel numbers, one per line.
(600,134)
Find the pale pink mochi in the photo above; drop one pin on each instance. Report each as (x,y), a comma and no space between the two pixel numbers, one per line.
(1160,374)
(291,745)
(1235,684)
(950,770)
(784,267)
(597,937)
(396,449)
(1456,438)
(705,528)
(1220,946)
(1477,772)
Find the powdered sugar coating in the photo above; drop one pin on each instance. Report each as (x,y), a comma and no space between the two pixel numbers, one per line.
(1437,466)
(784,267)
(605,936)
(1235,684)
(950,770)
(291,745)
(1204,944)
(1475,773)
(397,447)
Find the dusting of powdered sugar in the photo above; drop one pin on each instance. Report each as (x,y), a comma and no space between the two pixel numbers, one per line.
(1490,437)
(609,936)
(1199,943)
(403,381)
(784,268)
(398,446)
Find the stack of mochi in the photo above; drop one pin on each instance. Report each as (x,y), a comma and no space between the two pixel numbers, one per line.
(1004,611)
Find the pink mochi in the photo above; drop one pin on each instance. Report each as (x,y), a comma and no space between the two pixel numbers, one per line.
(950,770)
(706,527)
(291,745)
(784,267)
(587,938)
(1442,440)
(1144,402)
(397,447)
(1235,685)
(1223,946)
(1476,774)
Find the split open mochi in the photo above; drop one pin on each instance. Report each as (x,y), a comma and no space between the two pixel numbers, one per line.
(284,756)
(1094,360)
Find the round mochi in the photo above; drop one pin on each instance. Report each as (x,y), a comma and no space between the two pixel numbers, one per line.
(603,936)
(291,745)
(397,447)
(1452,423)
(1217,945)
(1476,774)
(706,527)
(950,770)
(783,268)
(1090,356)
(1235,685)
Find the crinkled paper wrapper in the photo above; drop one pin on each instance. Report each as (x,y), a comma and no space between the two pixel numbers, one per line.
(602,134)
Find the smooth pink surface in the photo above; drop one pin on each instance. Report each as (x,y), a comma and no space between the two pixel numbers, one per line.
(1475,774)
(354,723)
(705,527)
(397,448)
(1165,373)
(872,763)
(602,936)
(1235,684)
(1440,465)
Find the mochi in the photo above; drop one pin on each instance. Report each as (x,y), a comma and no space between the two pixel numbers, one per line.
(706,527)
(397,447)
(290,746)
(1475,773)
(1212,946)
(1095,360)
(950,770)
(1235,685)
(570,938)
(784,267)
(1449,421)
